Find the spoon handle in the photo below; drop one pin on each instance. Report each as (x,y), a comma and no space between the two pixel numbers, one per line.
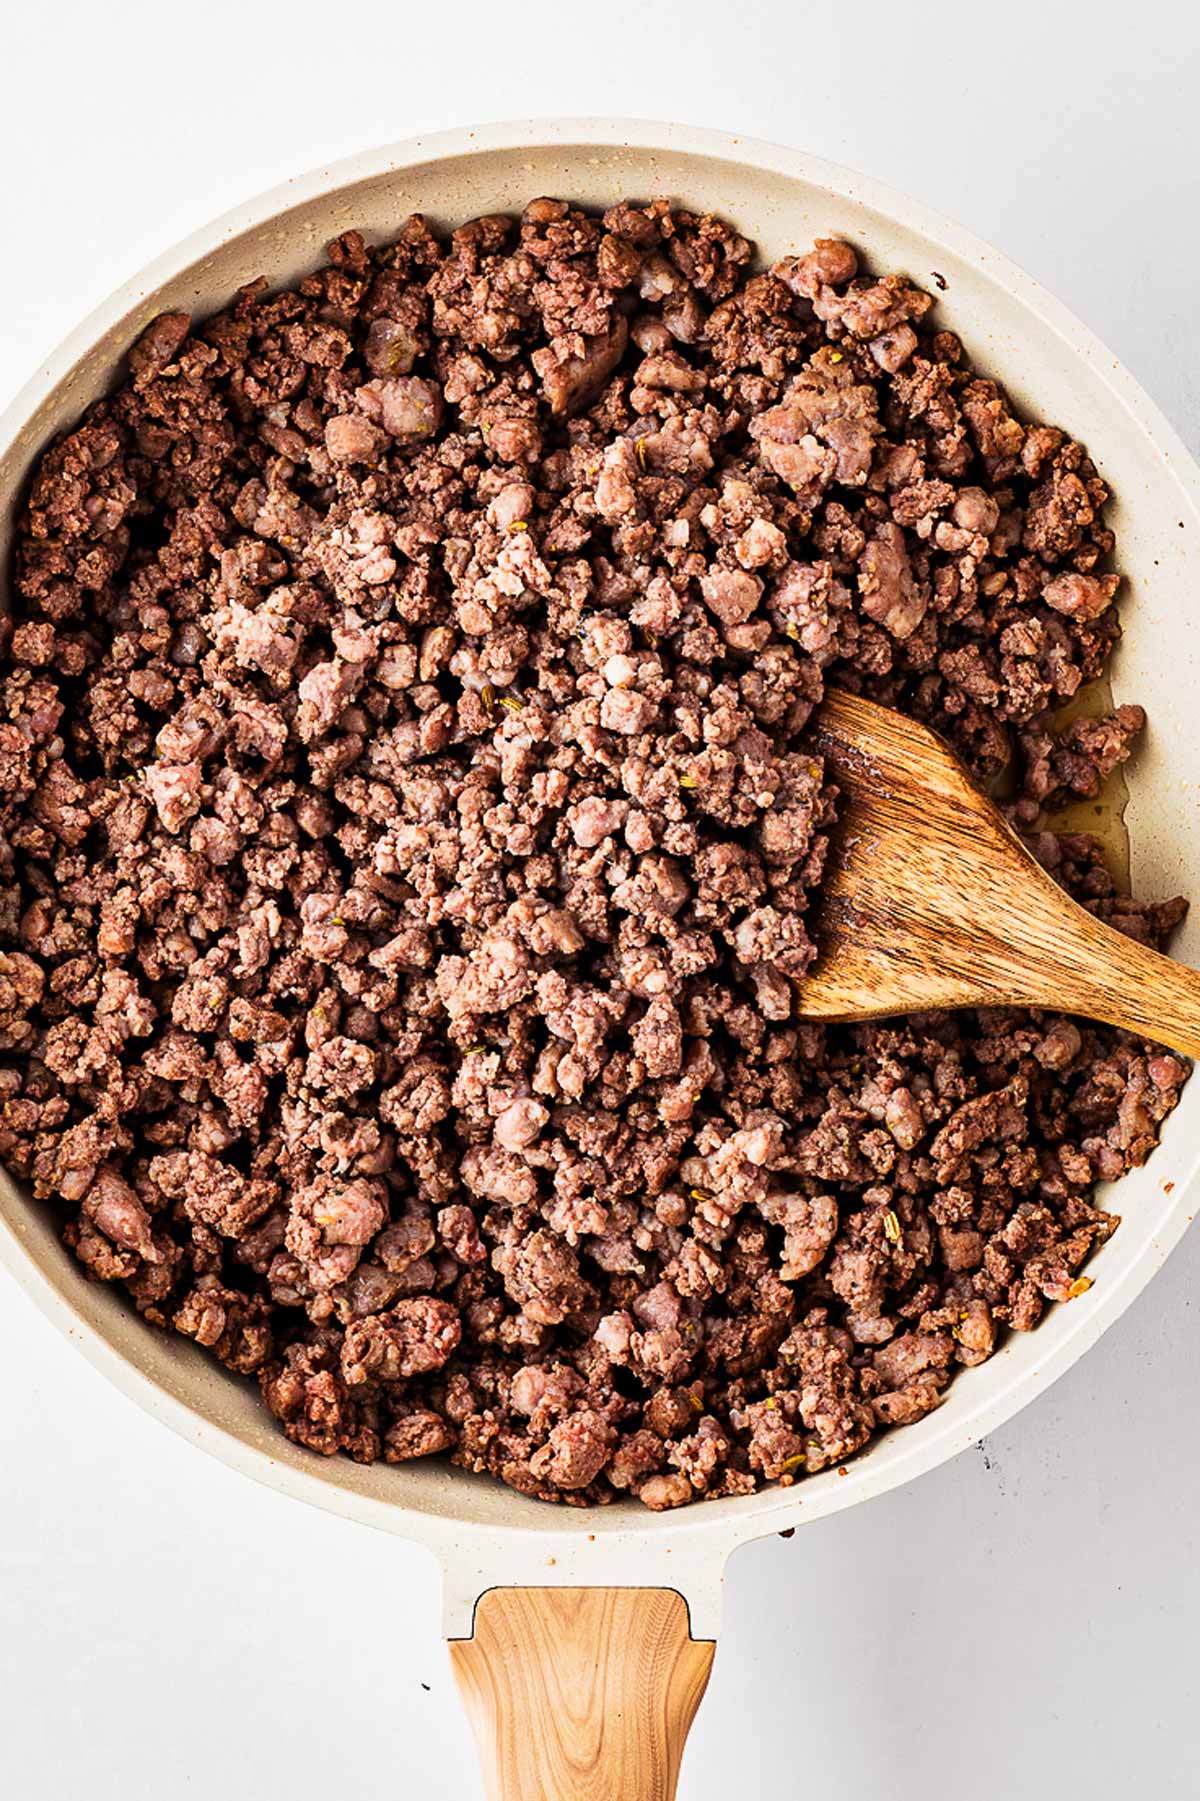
(1102,974)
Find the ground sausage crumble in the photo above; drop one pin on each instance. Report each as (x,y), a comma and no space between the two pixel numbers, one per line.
(409,834)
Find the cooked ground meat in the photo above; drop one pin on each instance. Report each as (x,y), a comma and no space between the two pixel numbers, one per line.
(409,833)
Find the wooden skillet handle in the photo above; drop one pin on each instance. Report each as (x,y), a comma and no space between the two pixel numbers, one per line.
(581,1694)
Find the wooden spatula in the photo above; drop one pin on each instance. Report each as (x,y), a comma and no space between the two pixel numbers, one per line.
(932,901)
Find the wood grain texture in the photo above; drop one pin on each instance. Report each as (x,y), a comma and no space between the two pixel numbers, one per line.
(581,1694)
(932,901)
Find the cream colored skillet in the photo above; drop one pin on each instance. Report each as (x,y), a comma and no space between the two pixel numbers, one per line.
(582,1639)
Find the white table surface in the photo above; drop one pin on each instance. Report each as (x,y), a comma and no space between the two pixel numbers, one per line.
(1019,1623)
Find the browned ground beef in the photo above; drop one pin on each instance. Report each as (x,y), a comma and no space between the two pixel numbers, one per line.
(408,830)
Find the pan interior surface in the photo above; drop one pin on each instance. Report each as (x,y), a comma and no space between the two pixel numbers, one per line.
(1050,366)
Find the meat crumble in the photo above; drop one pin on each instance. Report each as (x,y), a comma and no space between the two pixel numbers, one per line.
(409,833)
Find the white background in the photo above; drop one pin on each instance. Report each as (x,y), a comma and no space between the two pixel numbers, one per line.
(1021,1622)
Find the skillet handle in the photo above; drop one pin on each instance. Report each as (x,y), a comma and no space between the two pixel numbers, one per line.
(581,1694)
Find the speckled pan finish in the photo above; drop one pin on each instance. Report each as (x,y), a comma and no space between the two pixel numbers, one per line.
(483,1533)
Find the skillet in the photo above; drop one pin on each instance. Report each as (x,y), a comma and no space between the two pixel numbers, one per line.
(584,1660)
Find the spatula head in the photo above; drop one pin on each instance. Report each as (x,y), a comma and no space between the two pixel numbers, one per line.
(930,900)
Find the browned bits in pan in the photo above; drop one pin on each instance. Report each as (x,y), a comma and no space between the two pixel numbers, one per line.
(409,834)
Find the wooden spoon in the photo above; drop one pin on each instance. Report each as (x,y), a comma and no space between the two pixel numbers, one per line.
(930,900)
